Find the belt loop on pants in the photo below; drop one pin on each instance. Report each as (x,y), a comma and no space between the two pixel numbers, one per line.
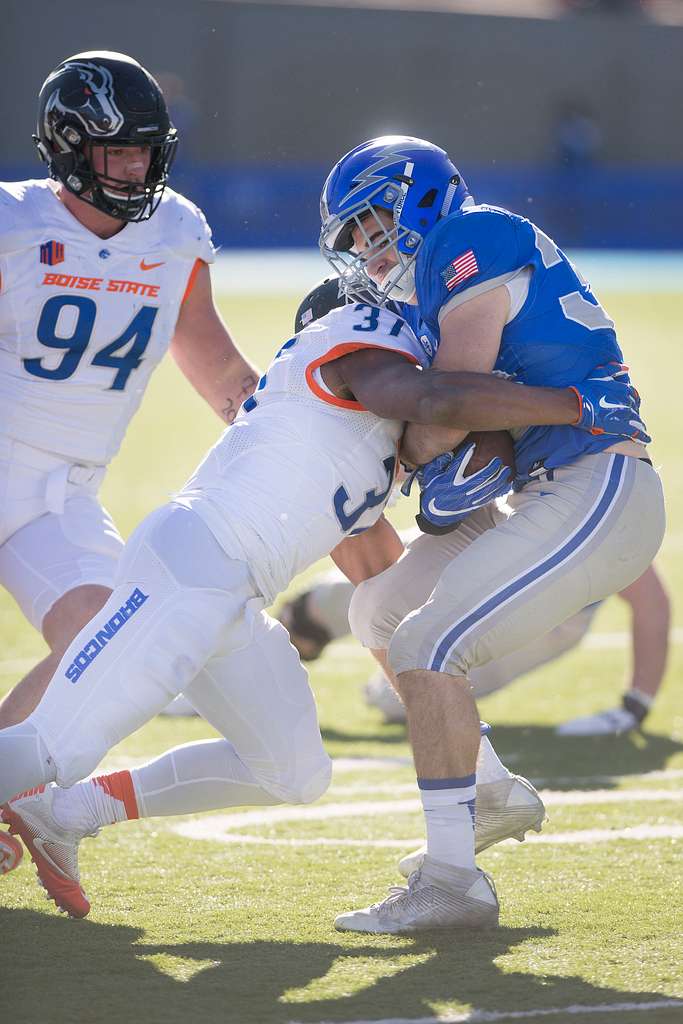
(548,476)
(55,489)
(59,479)
(519,485)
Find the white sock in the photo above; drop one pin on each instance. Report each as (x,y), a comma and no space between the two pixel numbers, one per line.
(449,816)
(24,760)
(96,802)
(489,766)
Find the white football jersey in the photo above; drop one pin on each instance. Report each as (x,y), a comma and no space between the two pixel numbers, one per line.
(301,469)
(85,320)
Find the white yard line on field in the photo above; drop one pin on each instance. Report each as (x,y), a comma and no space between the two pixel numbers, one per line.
(493,1016)
(222,828)
(552,798)
(202,829)
(345,765)
(584,780)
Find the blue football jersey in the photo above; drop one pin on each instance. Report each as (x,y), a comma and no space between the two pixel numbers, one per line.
(413,317)
(558,337)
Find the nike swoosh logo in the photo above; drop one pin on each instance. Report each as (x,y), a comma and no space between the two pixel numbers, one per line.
(40,846)
(435,511)
(604,404)
(150,266)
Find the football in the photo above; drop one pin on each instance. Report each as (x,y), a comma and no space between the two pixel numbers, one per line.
(489,444)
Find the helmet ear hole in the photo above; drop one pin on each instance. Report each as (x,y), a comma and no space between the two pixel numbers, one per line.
(345,238)
(428,199)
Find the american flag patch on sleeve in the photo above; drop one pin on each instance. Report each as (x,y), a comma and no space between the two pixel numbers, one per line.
(460,269)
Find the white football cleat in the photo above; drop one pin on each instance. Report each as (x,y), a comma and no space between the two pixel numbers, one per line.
(380,694)
(437,896)
(505,809)
(54,851)
(614,722)
(180,707)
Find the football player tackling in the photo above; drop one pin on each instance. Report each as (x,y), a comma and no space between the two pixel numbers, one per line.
(305,470)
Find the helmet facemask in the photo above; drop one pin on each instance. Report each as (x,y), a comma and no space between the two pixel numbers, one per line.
(120,198)
(373,237)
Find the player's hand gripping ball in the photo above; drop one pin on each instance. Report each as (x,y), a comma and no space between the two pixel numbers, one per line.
(454,484)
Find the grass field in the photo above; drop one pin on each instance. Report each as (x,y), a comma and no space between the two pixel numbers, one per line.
(229,918)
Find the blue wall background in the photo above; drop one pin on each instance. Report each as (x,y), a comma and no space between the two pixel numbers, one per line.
(597,207)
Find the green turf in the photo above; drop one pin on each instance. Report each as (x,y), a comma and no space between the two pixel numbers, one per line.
(190,930)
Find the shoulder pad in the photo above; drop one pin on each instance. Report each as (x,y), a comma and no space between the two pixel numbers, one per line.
(18,221)
(184,227)
(471,247)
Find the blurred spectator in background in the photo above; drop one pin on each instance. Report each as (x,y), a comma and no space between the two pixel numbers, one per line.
(578,138)
(183,112)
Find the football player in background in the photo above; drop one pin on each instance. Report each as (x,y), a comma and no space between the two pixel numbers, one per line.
(305,470)
(586,518)
(102,269)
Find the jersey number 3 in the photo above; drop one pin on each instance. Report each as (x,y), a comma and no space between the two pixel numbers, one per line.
(136,336)
(347,520)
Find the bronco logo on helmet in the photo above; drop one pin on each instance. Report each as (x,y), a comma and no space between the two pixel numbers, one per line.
(97,110)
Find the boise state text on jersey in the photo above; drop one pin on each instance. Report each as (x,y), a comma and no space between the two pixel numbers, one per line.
(558,337)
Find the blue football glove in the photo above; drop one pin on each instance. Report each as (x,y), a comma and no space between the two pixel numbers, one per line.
(448,496)
(610,404)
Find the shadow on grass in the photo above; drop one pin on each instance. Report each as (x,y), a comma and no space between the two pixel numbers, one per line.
(390,735)
(63,972)
(579,762)
(536,752)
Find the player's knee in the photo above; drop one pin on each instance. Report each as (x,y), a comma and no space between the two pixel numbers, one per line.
(315,783)
(403,652)
(410,650)
(371,617)
(300,783)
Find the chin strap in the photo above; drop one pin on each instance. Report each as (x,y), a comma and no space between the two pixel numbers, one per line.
(407,180)
(450,193)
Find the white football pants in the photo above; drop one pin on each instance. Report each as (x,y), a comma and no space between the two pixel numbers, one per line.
(182,617)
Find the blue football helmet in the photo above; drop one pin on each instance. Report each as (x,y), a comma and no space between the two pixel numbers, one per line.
(411,179)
